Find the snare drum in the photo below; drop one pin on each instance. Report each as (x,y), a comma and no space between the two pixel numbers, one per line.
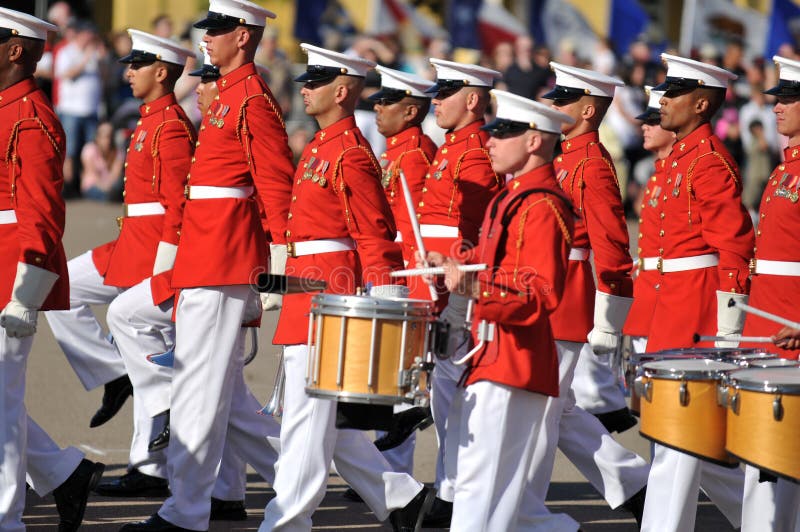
(764,419)
(634,371)
(368,350)
(680,408)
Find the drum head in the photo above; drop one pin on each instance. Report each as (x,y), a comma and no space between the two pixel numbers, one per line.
(708,352)
(771,380)
(691,369)
(773,363)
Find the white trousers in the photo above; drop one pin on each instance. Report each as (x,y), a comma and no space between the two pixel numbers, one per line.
(94,359)
(211,407)
(614,471)
(506,439)
(595,386)
(674,480)
(773,506)
(309,441)
(48,464)
(443,387)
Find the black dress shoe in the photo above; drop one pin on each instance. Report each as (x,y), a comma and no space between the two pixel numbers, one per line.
(72,494)
(154,524)
(114,396)
(352,495)
(618,420)
(440,514)
(227,510)
(134,484)
(635,505)
(403,425)
(162,440)
(409,518)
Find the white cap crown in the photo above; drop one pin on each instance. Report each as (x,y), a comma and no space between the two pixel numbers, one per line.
(162,49)
(515,108)
(345,64)
(688,73)
(16,23)
(573,81)
(465,74)
(403,81)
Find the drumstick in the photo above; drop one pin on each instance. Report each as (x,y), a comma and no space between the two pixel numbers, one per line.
(764,314)
(733,338)
(412,215)
(437,270)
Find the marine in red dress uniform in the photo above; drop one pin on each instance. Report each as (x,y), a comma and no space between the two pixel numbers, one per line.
(512,378)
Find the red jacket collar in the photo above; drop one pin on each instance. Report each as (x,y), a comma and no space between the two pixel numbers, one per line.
(159,104)
(232,78)
(454,137)
(17,91)
(335,129)
(580,141)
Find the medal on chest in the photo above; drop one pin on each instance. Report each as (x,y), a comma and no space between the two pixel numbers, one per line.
(218,112)
(788,188)
(561,176)
(438,173)
(676,190)
(386,173)
(139,145)
(653,201)
(315,171)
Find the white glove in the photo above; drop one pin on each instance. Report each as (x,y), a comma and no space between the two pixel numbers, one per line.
(609,318)
(730,320)
(31,287)
(277,265)
(389,291)
(165,257)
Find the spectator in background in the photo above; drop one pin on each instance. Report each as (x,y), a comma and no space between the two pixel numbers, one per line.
(757,167)
(525,77)
(79,94)
(727,129)
(733,61)
(162,26)
(603,58)
(118,90)
(280,69)
(102,164)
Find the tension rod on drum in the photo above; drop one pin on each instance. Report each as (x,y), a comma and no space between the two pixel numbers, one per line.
(764,314)
(733,338)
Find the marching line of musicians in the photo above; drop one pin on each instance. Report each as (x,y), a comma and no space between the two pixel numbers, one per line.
(206,209)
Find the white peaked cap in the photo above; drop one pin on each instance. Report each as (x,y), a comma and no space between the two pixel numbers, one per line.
(466,74)
(685,73)
(163,49)
(403,81)
(655,97)
(331,62)
(572,81)
(789,79)
(232,13)
(21,24)
(515,108)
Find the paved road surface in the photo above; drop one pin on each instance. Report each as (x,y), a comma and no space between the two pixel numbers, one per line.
(59,403)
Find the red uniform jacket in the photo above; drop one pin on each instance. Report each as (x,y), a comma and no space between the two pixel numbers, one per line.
(646,284)
(32,148)
(525,241)
(337,193)
(156,166)
(777,238)
(242,142)
(458,186)
(585,172)
(700,212)
(412,152)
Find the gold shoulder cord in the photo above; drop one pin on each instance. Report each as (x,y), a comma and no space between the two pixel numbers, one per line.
(521,228)
(396,166)
(154,148)
(582,167)
(690,171)
(242,128)
(11,155)
(340,187)
(458,171)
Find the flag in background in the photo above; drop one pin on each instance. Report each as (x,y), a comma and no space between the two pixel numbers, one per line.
(307,20)
(784,26)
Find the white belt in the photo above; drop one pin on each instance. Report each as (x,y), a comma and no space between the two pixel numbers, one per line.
(204,192)
(774,267)
(314,247)
(438,231)
(142,209)
(8,217)
(579,254)
(682,264)
(399,237)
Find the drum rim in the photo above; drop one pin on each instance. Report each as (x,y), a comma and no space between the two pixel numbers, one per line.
(362,398)
(352,305)
(692,374)
(763,386)
(712,351)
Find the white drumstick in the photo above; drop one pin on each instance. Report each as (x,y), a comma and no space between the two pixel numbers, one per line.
(734,338)
(412,214)
(437,270)
(764,314)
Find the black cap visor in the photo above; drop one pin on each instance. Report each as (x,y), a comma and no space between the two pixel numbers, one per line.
(447,85)
(651,114)
(681,84)
(138,56)
(320,73)
(388,95)
(560,92)
(785,88)
(5,34)
(502,127)
(206,72)
(219,21)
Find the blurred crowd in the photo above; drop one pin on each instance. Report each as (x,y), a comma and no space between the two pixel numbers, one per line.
(93,100)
